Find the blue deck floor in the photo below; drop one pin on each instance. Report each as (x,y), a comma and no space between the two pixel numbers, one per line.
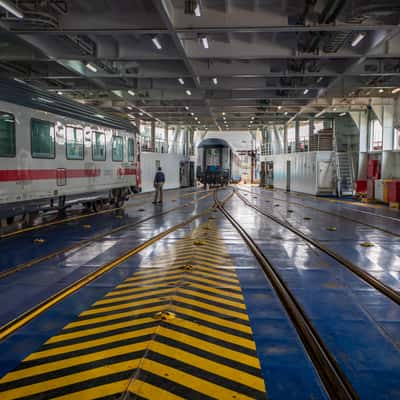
(360,326)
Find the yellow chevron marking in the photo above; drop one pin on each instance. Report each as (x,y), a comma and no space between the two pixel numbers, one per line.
(148,391)
(206,300)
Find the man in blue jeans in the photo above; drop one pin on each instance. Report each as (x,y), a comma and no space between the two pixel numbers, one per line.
(159,181)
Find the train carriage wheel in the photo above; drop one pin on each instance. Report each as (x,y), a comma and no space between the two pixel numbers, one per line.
(97,205)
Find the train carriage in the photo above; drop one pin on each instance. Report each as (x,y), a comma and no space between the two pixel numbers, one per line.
(215,163)
(55,152)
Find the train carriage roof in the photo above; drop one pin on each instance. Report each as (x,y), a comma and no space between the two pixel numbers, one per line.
(214,143)
(28,96)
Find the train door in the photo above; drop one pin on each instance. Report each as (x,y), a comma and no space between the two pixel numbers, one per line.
(288,175)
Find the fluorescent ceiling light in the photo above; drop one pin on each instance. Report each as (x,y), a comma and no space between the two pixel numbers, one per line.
(204,42)
(396,90)
(188,92)
(334,108)
(197,10)
(319,114)
(187,108)
(181,81)
(99,116)
(141,114)
(381,90)
(91,67)
(215,81)
(224,113)
(306,91)
(156,43)
(19,80)
(196,118)
(286,113)
(11,8)
(60,93)
(342,114)
(279,107)
(192,113)
(252,118)
(131,92)
(357,39)
(129,108)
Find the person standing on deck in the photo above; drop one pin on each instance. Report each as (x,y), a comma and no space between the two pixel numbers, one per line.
(159,180)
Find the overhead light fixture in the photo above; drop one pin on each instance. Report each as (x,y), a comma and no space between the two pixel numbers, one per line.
(187,108)
(306,91)
(11,8)
(252,118)
(197,9)
(357,39)
(19,80)
(215,81)
(181,81)
(396,90)
(141,114)
(192,113)
(196,118)
(224,113)
(188,92)
(91,67)
(129,108)
(99,116)
(131,92)
(334,108)
(381,90)
(319,114)
(60,93)
(286,113)
(279,107)
(204,42)
(198,122)
(156,42)
(342,114)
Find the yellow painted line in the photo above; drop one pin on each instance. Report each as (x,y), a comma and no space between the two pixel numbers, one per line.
(226,372)
(108,389)
(208,307)
(93,331)
(209,275)
(151,392)
(140,289)
(119,307)
(28,316)
(216,290)
(214,333)
(209,347)
(221,300)
(150,281)
(71,362)
(134,296)
(65,349)
(214,320)
(51,384)
(167,272)
(213,283)
(115,316)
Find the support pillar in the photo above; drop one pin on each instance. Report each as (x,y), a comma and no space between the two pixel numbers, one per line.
(153,136)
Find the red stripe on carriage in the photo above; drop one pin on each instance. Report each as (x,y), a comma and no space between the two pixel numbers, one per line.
(42,174)
(127,171)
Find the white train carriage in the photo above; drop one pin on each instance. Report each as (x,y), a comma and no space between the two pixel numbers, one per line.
(54,152)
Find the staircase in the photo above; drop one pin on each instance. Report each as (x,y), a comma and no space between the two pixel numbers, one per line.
(344,173)
(344,170)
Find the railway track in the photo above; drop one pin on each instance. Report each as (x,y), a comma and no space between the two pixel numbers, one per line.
(73,218)
(14,325)
(86,242)
(332,213)
(333,378)
(361,273)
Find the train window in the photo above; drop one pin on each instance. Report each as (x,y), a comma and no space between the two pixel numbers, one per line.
(7,135)
(118,148)
(99,146)
(74,143)
(42,139)
(131,149)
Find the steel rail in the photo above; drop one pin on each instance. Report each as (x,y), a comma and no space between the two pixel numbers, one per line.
(329,212)
(79,217)
(365,276)
(333,378)
(86,242)
(29,315)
